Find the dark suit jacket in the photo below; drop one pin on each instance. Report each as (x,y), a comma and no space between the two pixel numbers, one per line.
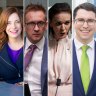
(43,73)
(8,71)
(78,89)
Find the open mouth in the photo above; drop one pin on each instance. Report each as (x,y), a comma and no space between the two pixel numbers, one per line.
(62,33)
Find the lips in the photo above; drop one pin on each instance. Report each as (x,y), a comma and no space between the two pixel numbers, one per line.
(36,35)
(14,32)
(62,33)
(85,31)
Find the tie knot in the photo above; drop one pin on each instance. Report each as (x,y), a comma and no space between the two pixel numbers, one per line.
(32,47)
(84,48)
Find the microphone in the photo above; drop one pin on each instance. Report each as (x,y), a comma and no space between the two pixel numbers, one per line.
(58,84)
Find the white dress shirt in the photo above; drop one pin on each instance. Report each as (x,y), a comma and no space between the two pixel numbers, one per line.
(33,73)
(90,53)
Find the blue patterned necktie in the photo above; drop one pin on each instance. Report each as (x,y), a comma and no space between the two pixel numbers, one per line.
(29,55)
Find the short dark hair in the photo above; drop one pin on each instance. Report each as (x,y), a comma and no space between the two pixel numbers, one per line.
(86,6)
(34,7)
(58,8)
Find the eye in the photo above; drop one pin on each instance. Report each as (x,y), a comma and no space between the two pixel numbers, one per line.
(67,23)
(17,21)
(80,20)
(91,20)
(41,23)
(58,23)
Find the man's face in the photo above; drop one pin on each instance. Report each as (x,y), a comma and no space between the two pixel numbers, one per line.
(61,24)
(35,25)
(84,24)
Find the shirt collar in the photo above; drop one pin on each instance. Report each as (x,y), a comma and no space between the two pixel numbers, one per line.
(78,44)
(39,45)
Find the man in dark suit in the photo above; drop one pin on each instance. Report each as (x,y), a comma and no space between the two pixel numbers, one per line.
(84,50)
(36,69)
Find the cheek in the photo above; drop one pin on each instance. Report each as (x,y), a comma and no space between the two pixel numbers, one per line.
(27,29)
(7,28)
(68,28)
(20,26)
(76,27)
(56,30)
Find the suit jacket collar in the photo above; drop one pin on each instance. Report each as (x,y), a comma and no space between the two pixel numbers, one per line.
(76,72)
(5,56)
(77,76)
(44,66)
(93,79)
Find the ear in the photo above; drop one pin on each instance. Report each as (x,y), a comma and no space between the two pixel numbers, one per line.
(46,25)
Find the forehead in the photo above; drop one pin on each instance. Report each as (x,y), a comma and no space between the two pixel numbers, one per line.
(35,16)
(62,16)
(13,16)
(82,13)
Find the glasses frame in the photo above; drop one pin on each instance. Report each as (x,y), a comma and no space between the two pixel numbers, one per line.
(81,21)
(32,24)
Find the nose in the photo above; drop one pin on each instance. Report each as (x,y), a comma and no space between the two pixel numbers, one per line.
(63,26)
(13,25)
(85,25)
(36,28)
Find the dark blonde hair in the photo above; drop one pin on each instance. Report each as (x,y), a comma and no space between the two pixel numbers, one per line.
(3,23)
(34,7)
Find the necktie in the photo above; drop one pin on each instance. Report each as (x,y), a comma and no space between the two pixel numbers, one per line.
(85,68)
(29,55)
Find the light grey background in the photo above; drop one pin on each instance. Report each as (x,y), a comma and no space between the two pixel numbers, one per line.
(52,2)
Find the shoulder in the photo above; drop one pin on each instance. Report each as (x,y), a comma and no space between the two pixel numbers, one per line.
(4,49)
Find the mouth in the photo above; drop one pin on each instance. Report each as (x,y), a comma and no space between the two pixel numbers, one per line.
(14,32)
(85,31)
(36,35)
(62,34)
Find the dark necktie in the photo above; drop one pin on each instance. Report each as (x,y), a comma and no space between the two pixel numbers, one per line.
(29,55)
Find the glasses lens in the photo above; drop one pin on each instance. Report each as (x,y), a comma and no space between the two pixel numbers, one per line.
(33,24)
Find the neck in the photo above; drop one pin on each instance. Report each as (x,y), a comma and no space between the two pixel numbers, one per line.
(85,42)
(15,43)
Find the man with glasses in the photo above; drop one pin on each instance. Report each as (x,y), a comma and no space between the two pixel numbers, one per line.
(35,64)
(84,50)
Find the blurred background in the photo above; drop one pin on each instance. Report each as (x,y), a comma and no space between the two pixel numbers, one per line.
(8,3)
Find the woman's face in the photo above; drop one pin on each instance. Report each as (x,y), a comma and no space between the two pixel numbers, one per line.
(61,24)
(14,27)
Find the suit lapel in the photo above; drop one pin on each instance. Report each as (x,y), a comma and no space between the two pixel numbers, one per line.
(93,80)
(4,54)
(44,65)
(76,73)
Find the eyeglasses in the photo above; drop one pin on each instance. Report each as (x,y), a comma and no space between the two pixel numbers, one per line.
(32,24)
(81,21)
